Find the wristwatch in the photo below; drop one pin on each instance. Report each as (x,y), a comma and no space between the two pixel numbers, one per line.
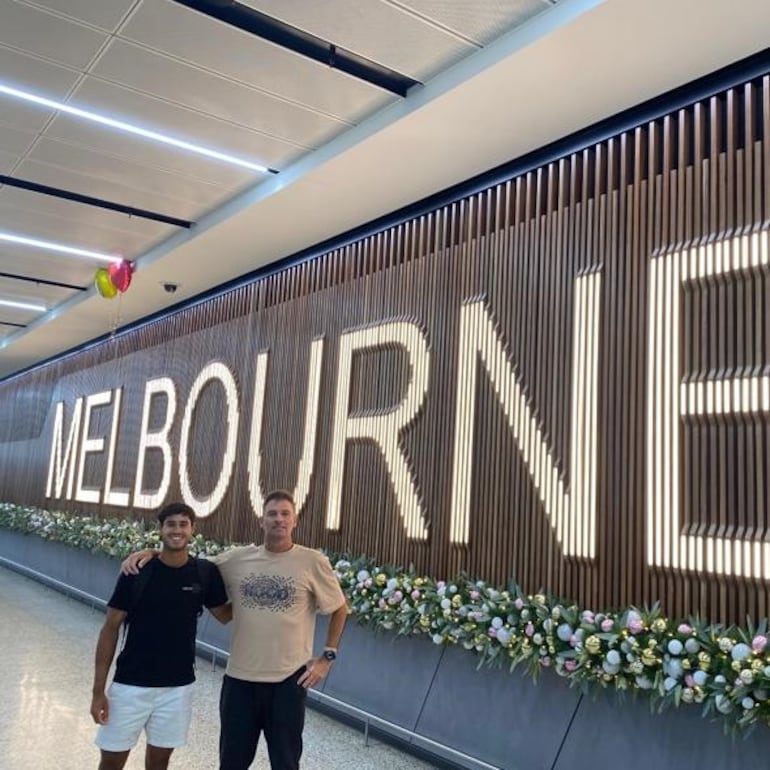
(329,654)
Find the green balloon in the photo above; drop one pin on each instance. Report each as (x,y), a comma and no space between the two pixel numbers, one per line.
(104,284)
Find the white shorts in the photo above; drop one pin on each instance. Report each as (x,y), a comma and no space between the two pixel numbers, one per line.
(163,712)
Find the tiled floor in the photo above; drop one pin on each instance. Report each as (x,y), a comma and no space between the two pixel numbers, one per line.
(46,663)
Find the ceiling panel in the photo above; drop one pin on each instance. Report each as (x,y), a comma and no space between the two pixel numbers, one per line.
(38,32)
(189,35)
(101,13)
(115,192)
(28,72)
(171,119)
(214,95)
(14,141)
(480,22)
(88,233)
(383,33)
(24,291)
(23,260)
(7,159)
(76,215)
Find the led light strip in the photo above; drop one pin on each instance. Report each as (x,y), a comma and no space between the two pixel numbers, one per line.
(129,128)
(23,305)
(59,247)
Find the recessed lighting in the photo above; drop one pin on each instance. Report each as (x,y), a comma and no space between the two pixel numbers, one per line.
(120,125)
(23,305)
(60,247)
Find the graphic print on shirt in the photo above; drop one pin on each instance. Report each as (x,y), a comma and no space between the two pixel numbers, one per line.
(268,592)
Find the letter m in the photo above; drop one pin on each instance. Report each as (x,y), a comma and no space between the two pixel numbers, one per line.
(62,462)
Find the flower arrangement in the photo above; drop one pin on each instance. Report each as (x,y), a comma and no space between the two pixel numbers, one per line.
(726,671)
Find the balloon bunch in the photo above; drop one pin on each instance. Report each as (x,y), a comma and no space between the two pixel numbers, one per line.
(114,279)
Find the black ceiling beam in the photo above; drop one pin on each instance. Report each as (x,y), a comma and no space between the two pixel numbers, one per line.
(9,323)
(268,28)
(43,281)
(68,195)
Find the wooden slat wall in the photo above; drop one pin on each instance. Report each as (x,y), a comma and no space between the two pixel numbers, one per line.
(698,176)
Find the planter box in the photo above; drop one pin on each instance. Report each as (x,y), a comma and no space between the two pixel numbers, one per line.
(435,700)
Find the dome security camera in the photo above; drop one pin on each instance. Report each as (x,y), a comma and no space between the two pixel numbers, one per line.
(169,287)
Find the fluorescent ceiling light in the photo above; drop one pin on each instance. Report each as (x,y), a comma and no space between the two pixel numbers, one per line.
(23,305)
(131,129)
(60,247)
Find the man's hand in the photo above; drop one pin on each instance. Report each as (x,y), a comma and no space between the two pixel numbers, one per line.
(315,671)
(135,561)
(100,709)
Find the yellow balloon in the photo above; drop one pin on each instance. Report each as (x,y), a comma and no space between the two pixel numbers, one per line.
(104,284)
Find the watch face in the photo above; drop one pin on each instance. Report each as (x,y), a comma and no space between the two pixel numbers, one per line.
(330,655)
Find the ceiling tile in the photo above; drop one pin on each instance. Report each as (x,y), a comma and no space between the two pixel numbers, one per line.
(189,35)
(13,140)
(35,263)
(83,230)
(480,22)
(101,13)
(38,32)
(144,196)
(176,121)
(151,73)
(25,291)
(29,73)
(7,160)
(383,33)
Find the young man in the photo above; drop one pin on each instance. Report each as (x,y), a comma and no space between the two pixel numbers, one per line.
(276,590)
(152,686)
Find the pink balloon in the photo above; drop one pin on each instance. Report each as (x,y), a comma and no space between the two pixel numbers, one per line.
(120,274)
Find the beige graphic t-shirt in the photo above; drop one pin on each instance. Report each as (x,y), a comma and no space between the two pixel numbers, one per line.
(275,599)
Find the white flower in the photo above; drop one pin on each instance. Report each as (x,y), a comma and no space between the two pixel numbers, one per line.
(446,604)
(497,622)
(643,683)
(725,644)
(739,652)
(613,658)
(437,638)
(692,645)
(700,678)
(747,677)
(564,632)
(747,703)
(392,584)
(675,647)
(504,636)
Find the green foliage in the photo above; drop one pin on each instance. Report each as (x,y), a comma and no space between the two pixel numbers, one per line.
(724,671)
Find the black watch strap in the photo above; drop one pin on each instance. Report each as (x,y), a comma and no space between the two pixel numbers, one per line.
(330,655)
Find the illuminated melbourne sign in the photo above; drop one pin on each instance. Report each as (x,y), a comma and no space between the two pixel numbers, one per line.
(565,481)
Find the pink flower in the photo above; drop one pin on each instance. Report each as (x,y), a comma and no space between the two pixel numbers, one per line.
(570,665)
(529,630)
(684,629)
(588,617)
(607,625)
(519,603)
(635,625)
(415,594)
(382,604)
(689,681)
(492,632)
(574,640)
(758,643)
(397,597)
(475,595)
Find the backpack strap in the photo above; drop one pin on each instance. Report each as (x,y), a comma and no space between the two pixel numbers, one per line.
(203,571)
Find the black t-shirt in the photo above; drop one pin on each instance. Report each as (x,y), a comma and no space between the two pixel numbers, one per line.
(159,649)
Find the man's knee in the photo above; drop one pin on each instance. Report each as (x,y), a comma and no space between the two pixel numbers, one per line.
(113,760)
(157,758)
